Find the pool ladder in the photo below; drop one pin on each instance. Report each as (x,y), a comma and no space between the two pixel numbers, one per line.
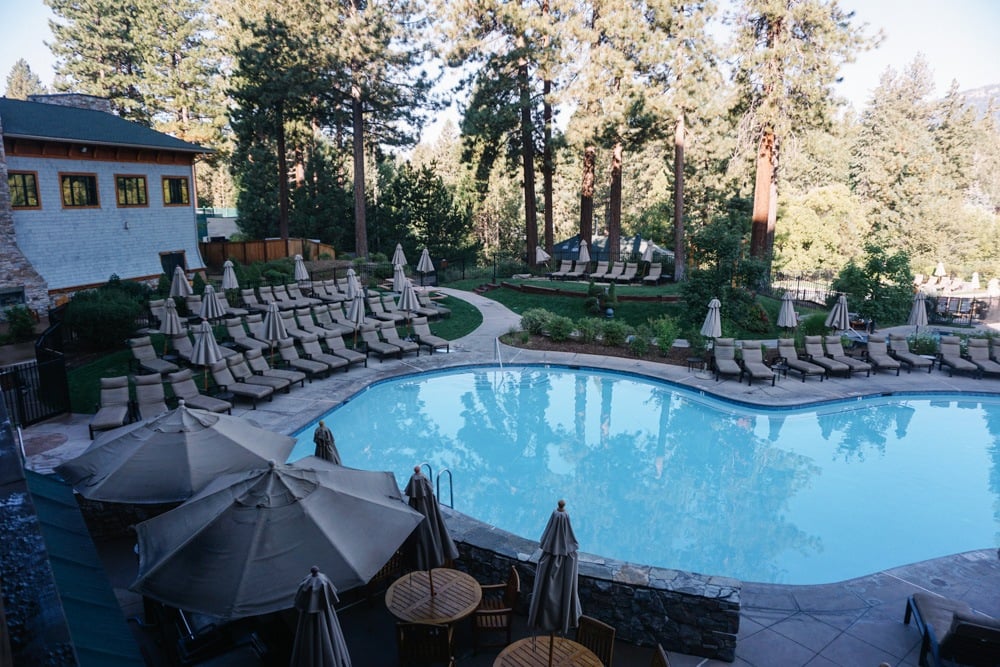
(437,483)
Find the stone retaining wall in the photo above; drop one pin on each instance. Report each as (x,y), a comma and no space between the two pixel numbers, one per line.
(685,612)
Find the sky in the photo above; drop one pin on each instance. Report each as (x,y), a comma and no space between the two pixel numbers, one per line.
(957,38)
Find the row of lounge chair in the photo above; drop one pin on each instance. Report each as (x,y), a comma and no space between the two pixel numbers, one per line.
(825,356)
(617,272)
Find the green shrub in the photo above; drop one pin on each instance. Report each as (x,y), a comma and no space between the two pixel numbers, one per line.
(592,305)
(103,318)
(814,325)
(665,331)
(587,328)
(696,341)
(20,323)
(274,277)
(163,286)
(535,320)
(613,333)
(560,327)
(923,343)
(198,284)
(638,343)
(135,290)
(756,319)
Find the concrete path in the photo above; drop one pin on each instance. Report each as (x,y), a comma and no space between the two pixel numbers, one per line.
(858,622)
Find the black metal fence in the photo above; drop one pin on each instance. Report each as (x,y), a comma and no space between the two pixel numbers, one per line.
(34,391)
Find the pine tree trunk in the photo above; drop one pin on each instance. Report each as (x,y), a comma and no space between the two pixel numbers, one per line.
(360,224)
(615,197)
(679,257)
(548,170)
(528,165)
(587,195)
(282,177)
(762,223)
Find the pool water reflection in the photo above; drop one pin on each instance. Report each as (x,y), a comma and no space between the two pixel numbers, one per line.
(659,475)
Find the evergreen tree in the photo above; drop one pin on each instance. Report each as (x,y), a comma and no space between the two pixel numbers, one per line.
(22,82)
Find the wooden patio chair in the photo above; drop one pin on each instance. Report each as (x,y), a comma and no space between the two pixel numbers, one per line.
(598,637)
(421,644)
(496,610)
(659,658)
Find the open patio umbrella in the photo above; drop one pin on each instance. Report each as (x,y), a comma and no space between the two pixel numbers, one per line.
(398,258)
(839,319)
(541,256)
(918,312)
(555,598)
(786,316)
(239,546)
(319,641)
(229,280)
(430,545)
(712,328)
(205,350)
(425,265)
(171,324)
(274,327)
(210,308)
(301,274)
(168,458)
(584,256)
(179,285)
(939,270)
(398,278)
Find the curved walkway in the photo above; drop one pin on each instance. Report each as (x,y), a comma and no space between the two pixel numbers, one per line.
(857,622)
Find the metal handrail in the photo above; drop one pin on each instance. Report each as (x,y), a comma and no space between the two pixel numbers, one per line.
(451,487)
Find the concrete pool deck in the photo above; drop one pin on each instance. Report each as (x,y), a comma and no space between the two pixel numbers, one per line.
(858,622)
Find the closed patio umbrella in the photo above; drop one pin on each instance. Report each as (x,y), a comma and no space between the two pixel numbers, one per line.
(179,285)
(939,270)
(229,280)
(647,254)
(786,316)
(239,546)
(408,301)
(352,283)
(430,545)
(301,274)
(274,327)
(205,350)
(584,256)
(171,324)
(541,256)
(918,313)
(712,328)
(975,280)
(398,278)
(839,319)
(425,265)
(319,640)
(398,258)
(555,598)
(210,308)
(168,458)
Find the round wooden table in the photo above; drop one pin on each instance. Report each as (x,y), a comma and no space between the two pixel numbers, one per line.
(534,652)
(456,595)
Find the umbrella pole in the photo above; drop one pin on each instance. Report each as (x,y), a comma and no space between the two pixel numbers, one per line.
(552,643)
(430,579)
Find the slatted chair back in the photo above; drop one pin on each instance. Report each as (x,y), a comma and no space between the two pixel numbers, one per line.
(599,637)
(422,644)
(659,658)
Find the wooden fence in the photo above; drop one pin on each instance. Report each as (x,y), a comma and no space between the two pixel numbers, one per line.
(215,253)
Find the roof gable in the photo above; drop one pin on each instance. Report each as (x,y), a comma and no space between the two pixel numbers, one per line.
(35,120)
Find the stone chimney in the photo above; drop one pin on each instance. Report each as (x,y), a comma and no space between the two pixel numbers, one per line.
(16,272)
(77,100)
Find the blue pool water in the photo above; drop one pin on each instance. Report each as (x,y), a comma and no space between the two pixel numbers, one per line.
(659,475)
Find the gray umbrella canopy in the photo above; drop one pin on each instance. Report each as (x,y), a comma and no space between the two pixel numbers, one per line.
(408,301)
(179,286)
(786,316)
(712,328)
(239,546)
(918,313)
(353,286)
(356,312)
(301,274)
(430,545)
(210,307)
(939,270)
(555,598)
(319,641)
(541,256)
(229,280)
(584,255)
(274,326)
(205,350)
(425,265)
(169,457)
(839,319)
(647,254)
(398,278)
(398,258)
(171,324)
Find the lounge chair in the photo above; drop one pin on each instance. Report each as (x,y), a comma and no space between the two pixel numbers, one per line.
(271,293)
(420,311)
(579,270)
(150,399)
(183,347)
(614,273)
(251,302)
(312,350)
(724,359)
(327,292)
(292,326)
(835,350)
(373,343)
(752,362)
(157,308)
(950,355)
(144,356)
(565,266)
(242,373)
(899,349)
(336,346)
(225,381)
(788,356)
(951,632)
(239,336)
(815,353)
(389,333)
(300,299)
(979,354)
(654,276)
(231,311)
(324,316)
(286,348)
(600,270)
(114,408)
(628,275)
(426,301)
(422,332)
(379,312)
(258,364)
(877,355)
(184,388)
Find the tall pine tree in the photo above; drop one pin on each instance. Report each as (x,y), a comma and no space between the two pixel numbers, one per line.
(22,82)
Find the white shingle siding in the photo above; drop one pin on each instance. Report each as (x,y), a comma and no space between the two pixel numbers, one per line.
(72,247)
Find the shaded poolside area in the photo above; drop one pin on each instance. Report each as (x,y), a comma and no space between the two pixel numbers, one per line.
(858,622)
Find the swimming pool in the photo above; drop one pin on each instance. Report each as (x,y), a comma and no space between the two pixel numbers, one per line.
(660,475)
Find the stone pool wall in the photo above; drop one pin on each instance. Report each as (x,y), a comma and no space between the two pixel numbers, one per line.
(685,612)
